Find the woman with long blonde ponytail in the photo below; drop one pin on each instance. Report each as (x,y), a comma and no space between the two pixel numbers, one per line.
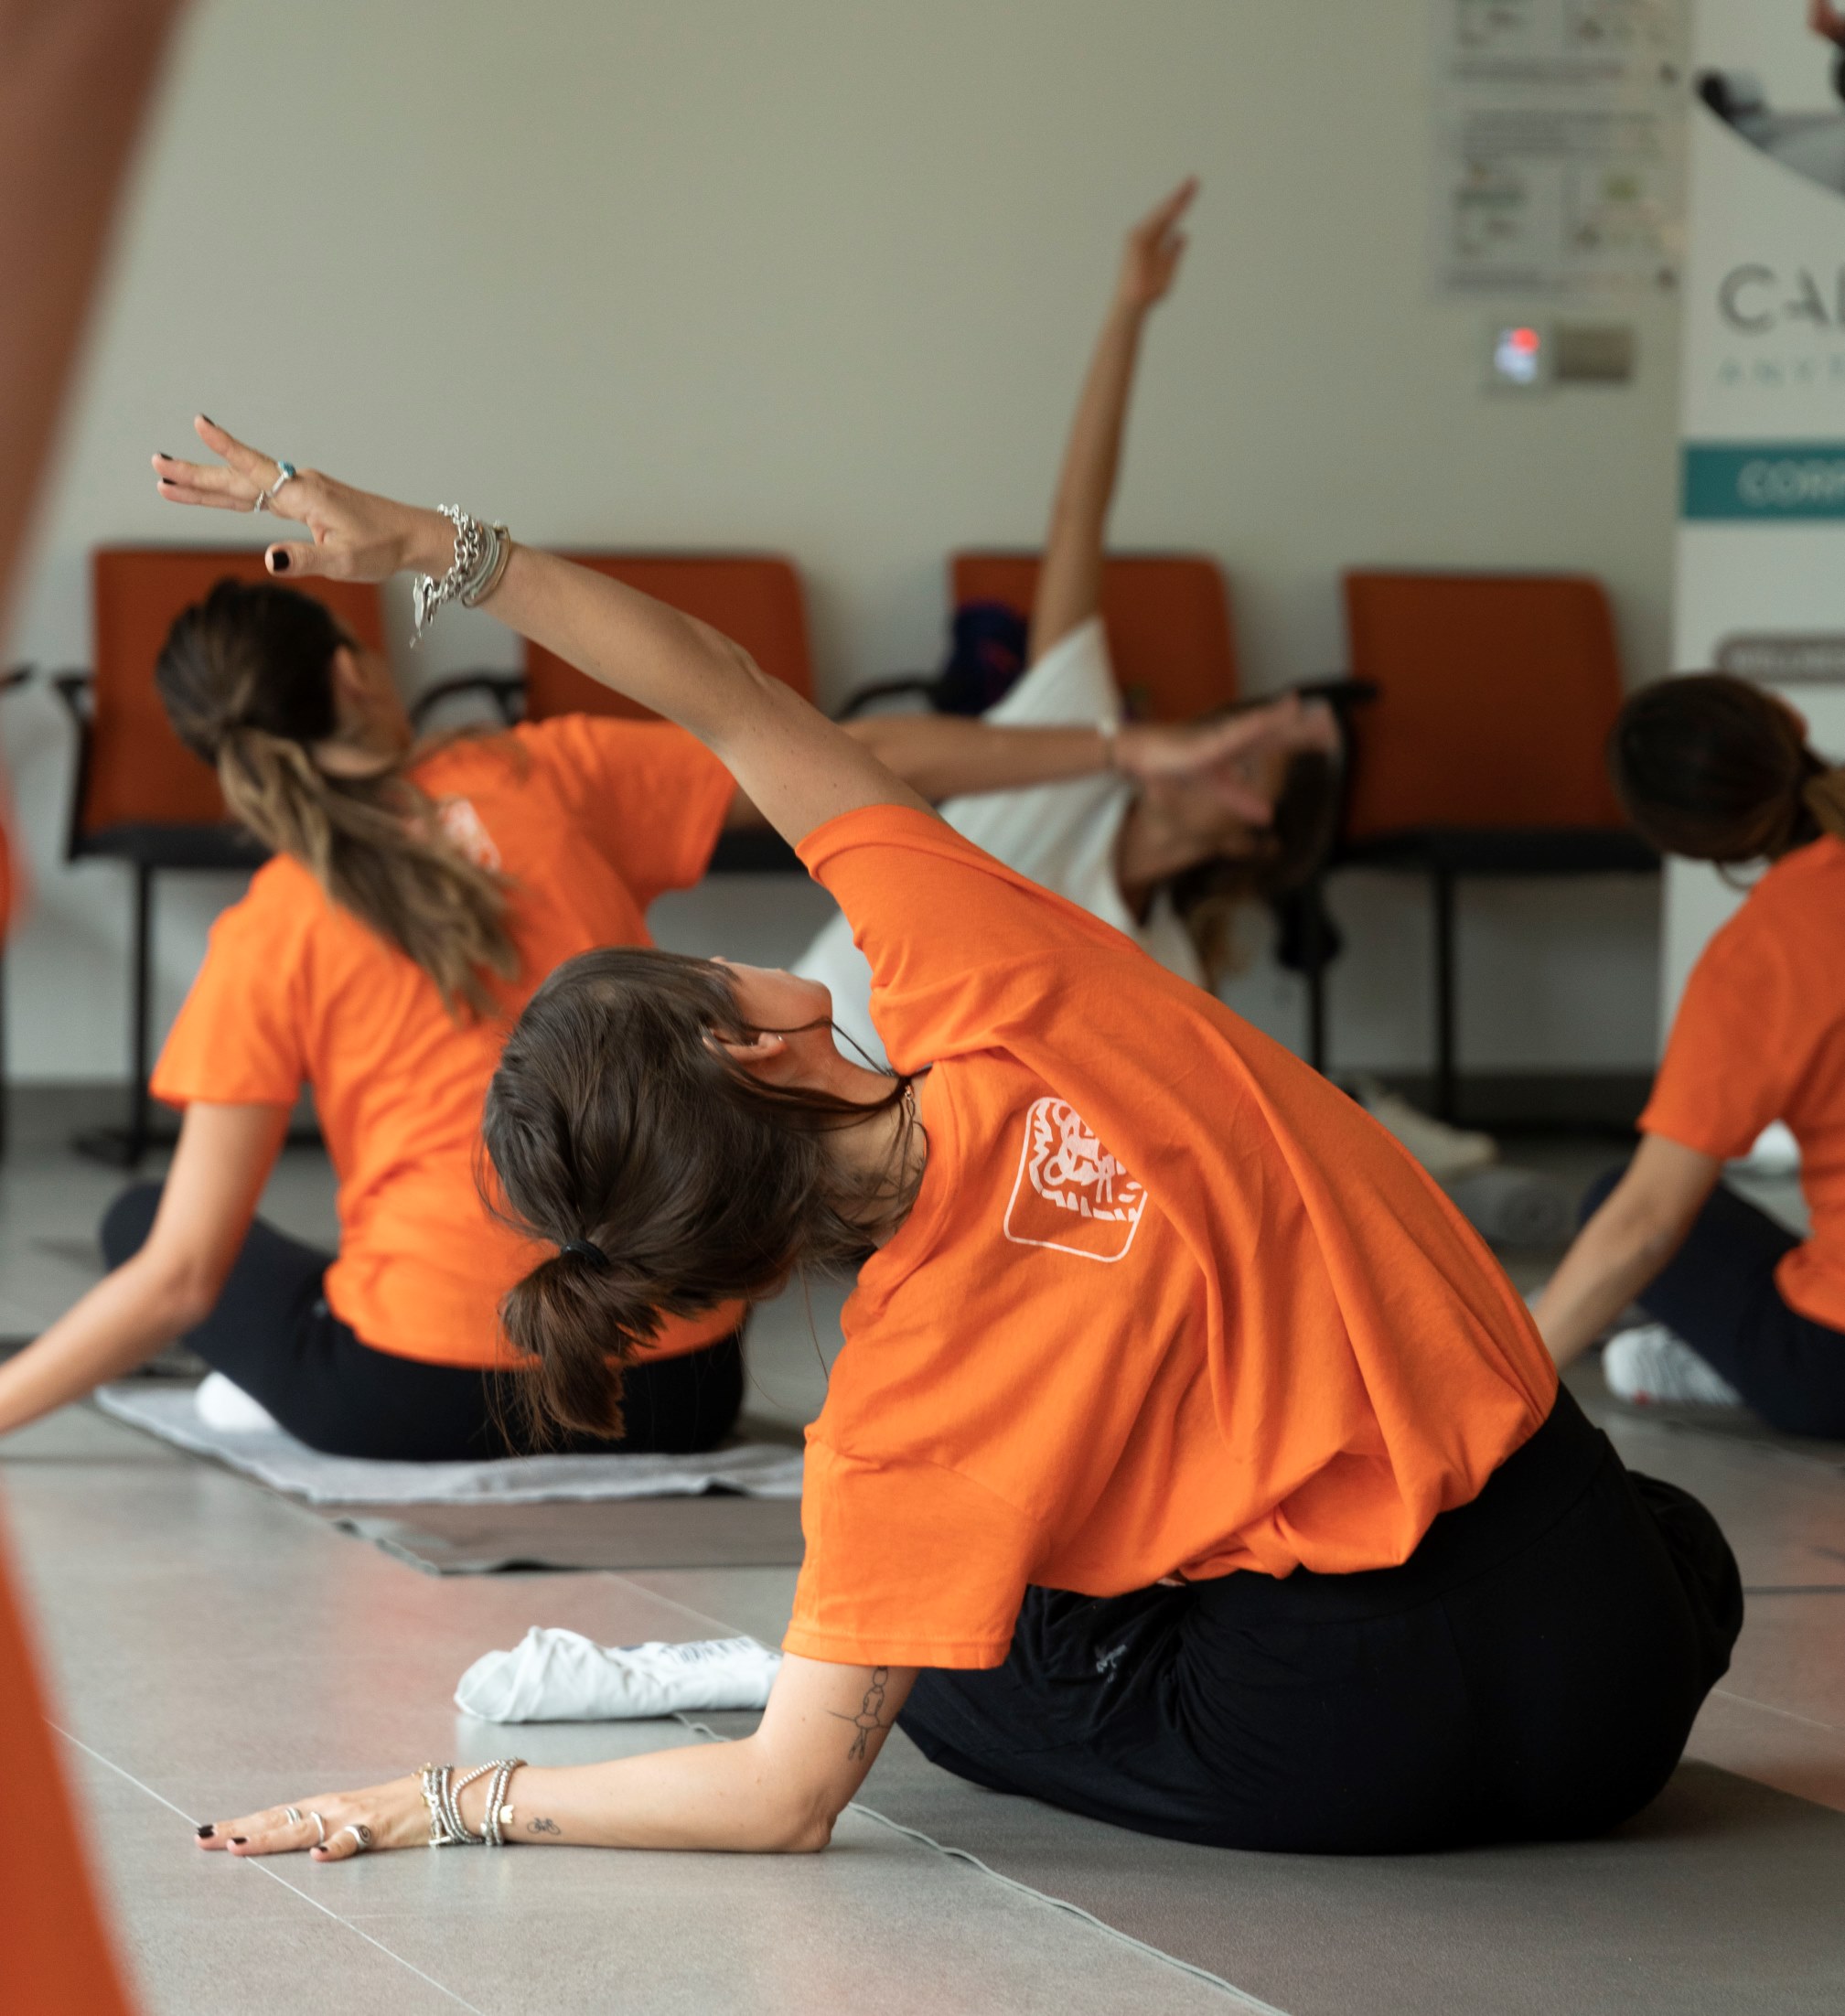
(1743,1310)
(417,896)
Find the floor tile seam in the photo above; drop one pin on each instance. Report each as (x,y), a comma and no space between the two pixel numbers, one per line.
(1241,1997)
(1768,1708)
(260,1866)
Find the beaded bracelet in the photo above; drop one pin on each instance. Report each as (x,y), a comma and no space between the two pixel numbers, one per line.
(442,1792)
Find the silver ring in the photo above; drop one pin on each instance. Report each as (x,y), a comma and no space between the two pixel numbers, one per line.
(265,499)
(293,1815)
(360,1833)
(322,1825)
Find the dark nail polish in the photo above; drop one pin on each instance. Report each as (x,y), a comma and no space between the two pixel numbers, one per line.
(207,420)
(278,564)
(240,1840)
(206,1831)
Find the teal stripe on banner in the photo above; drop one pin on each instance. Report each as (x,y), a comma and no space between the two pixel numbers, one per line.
(1744,480)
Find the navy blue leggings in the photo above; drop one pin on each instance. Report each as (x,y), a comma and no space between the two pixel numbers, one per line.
(272,1333)
(1719,1295)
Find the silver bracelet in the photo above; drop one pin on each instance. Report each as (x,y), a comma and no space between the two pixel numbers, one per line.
(442,1792)
(487,577)
(427,594)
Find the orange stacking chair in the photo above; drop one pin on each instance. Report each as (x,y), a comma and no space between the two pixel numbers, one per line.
(1481,751)
(54,1953)
(754,599)
(141,796)
(1168,619)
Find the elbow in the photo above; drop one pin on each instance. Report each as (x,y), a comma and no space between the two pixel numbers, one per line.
(806,1831)
(180,1294)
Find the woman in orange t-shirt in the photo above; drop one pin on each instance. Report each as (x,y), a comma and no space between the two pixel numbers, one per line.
(1713,768)
(417,897)
(1189,1462)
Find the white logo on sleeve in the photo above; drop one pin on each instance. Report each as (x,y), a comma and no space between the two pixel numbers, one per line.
(1071,1194)
(465,831)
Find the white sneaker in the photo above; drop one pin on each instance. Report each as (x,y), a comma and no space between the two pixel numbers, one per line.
(225,1405)
(1445,1152)
(1651,1366)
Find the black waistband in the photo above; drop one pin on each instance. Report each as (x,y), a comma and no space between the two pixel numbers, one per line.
(1527,1493)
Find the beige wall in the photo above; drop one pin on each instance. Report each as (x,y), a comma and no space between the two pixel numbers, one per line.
(821,275)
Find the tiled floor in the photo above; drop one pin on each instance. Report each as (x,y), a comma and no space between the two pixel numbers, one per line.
(212,1647)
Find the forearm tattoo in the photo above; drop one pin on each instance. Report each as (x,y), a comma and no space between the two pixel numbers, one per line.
(870,1720)
(543,1826)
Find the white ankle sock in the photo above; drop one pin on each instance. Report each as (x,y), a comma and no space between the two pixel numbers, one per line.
(225,1405)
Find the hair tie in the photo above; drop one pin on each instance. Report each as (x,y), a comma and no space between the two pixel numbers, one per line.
(586,1249)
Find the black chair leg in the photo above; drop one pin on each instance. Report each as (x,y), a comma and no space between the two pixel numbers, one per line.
(142,1065)
(126,1147)
(1447,1099)
(1314,948)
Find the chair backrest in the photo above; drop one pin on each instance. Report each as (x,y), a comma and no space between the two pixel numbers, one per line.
(1168,619)
(753,598)
(1496,696)
(140,773)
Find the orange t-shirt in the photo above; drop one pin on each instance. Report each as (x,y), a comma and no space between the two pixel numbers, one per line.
(1760,1036)
(591,820)
(1167,1303)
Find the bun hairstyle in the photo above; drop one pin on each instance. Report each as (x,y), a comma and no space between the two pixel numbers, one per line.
(669,1177)
(246,676)
(1714,768)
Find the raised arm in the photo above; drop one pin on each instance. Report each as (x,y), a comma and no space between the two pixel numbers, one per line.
(795,766)
(1071,580)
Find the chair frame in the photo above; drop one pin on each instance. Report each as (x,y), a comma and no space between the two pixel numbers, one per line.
(148,850)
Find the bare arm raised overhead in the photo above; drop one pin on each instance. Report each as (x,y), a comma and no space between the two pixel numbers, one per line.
(797,768)
(1071,580)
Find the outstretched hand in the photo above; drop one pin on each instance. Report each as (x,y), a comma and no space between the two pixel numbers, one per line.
(332,1828)
(356,536)
(1234,756)
(1150,262)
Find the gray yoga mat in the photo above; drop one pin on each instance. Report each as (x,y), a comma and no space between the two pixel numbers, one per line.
(484,1538)
(1722,1899)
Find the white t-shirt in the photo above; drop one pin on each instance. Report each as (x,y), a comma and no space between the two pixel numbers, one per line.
(1062,835)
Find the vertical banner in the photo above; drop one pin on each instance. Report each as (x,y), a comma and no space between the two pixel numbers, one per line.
(1761,574)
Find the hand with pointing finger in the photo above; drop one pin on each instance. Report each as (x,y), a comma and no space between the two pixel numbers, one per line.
(356,535)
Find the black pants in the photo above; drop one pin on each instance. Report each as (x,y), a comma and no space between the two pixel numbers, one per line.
(1719,1293)
(272,1333)
(1531,1672)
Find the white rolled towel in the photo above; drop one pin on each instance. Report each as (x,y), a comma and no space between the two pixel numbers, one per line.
(553,1675)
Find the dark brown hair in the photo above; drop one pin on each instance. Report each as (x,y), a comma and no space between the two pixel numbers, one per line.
(618,1126)
(247,680)
(1296,841)
(1712,767)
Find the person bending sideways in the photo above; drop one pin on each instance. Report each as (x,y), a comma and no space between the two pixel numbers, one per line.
(418,893)
(1169,863)
(1713,768)
(1189,1462)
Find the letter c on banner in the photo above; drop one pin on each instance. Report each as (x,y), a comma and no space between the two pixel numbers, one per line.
(1729,297)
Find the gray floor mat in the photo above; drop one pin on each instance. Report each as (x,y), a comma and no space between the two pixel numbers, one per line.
(1723,1897)
(713,1531)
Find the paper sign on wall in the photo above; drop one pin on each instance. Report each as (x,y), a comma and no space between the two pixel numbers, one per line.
(1558,156)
